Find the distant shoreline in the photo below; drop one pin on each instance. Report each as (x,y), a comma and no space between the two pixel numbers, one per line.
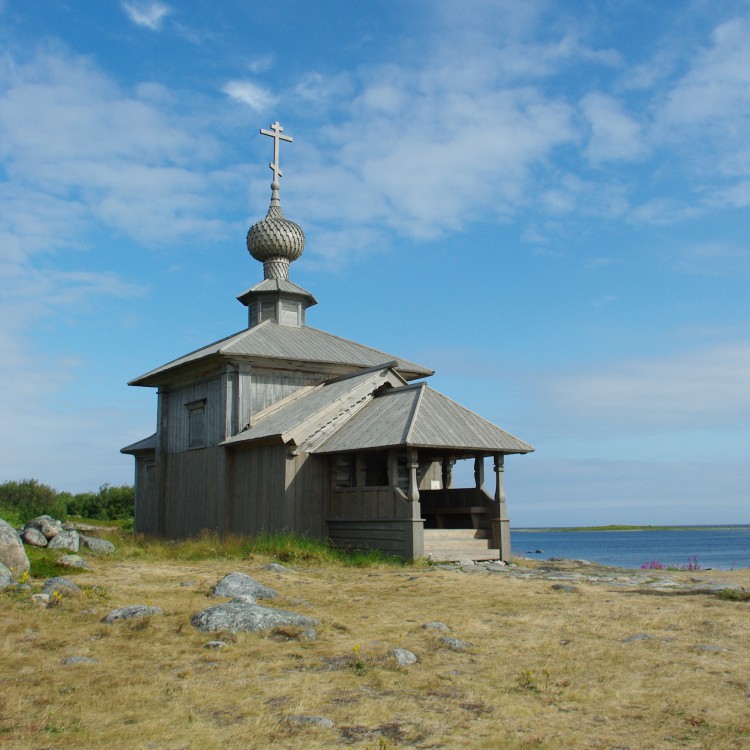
(619,527)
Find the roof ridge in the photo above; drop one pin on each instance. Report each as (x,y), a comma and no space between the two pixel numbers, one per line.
(414,412)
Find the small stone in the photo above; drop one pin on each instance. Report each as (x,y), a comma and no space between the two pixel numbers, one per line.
(215,644)
(239,584)
(309,634)
(33,537)
(316,721)
(79,660)
(72,561)
(66,540)
(99,546)
(565,587)
(276,568)
(60,585)
(128,613)
(436,626)
(636,637)
(711,647)
(40,599)
(404,657)
(456,644)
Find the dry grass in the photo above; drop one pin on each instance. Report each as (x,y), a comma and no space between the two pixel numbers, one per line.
(548,669)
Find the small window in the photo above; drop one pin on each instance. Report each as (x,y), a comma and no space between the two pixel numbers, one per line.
(376,469)
(150,475)
(197,424)
(345,471)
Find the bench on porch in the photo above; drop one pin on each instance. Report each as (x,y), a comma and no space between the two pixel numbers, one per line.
(477,513)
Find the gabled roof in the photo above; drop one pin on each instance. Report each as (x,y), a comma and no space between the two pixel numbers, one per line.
(269,340)
(147,445)
(417,416)
(309,413)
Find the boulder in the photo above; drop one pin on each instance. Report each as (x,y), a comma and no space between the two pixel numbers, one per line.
(63,586)
(235,616)
(12,553)
(33,537)
(99,546)
(128,613)
(65,540)
(46,525)
(239,584)
(404,657)
(6,577)
(456,644)
(73,561)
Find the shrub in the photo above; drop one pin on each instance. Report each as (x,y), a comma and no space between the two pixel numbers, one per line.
(29,498)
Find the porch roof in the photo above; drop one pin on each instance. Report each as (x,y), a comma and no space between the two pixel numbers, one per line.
(420,417)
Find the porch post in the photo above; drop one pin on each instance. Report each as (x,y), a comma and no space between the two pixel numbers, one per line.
(414,527)
(448,464)
(501,525)
(478,478)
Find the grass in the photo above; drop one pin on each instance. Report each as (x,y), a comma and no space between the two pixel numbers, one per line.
(548,669)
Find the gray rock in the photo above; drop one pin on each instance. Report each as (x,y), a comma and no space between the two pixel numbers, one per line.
(47,525)
(236,616)
(637,637)
(6,577)
(66,540)
(73,561)
(276,568)
(711,647)
(316,721)
(239,584)
(456,644)
(63,586)
(435,626)
(565,587)
(41,599)
(12,553)
(404,657)
(100,546)
(79,660)
(128,613)
(215,644)
(33,537)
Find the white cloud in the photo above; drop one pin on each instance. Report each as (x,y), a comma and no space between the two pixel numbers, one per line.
(255,96)
(699,389)
(147,14)
(615,135)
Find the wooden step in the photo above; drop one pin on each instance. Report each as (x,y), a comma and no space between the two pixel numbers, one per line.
(440,535)
(458,544)
(459,553)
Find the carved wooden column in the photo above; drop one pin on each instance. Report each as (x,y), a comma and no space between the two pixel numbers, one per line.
(448,464)
(414,530)
(501,525)
(478,478)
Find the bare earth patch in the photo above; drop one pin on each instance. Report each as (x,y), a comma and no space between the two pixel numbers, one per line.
(602,662)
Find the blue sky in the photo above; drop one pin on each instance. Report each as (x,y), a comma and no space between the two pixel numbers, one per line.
(547,203)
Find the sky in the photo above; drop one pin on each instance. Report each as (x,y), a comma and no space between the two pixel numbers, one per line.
(547,203)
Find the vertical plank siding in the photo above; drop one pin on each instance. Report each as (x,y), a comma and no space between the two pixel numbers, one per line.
(269,386)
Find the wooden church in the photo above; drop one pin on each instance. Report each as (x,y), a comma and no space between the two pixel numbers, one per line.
(284,427)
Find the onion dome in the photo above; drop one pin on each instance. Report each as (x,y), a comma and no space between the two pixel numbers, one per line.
(275,241)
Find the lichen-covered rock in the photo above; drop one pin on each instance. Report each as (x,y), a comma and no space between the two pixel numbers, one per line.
(63,586)
(33,537)
(12,553)
(79,660)
(456,644)
(73,561)
(276,568)
(6,577)
(404,657)
(46,525)
(239,584)
(436,627)
(99,546)
(128,613)
(235,616)
(65,540)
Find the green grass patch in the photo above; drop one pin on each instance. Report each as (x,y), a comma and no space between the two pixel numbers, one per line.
(44,565)
(209,545)
(734,595)
(12,516)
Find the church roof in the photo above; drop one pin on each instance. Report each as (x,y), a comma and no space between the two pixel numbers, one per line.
(420,417)
(147,445)
(309,412)
(272,341)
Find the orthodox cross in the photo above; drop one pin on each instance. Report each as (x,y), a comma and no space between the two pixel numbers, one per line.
(276,133)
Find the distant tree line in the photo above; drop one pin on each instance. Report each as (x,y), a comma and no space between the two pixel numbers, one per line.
(30,498)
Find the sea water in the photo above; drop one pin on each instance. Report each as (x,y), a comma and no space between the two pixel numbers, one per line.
(717,547)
